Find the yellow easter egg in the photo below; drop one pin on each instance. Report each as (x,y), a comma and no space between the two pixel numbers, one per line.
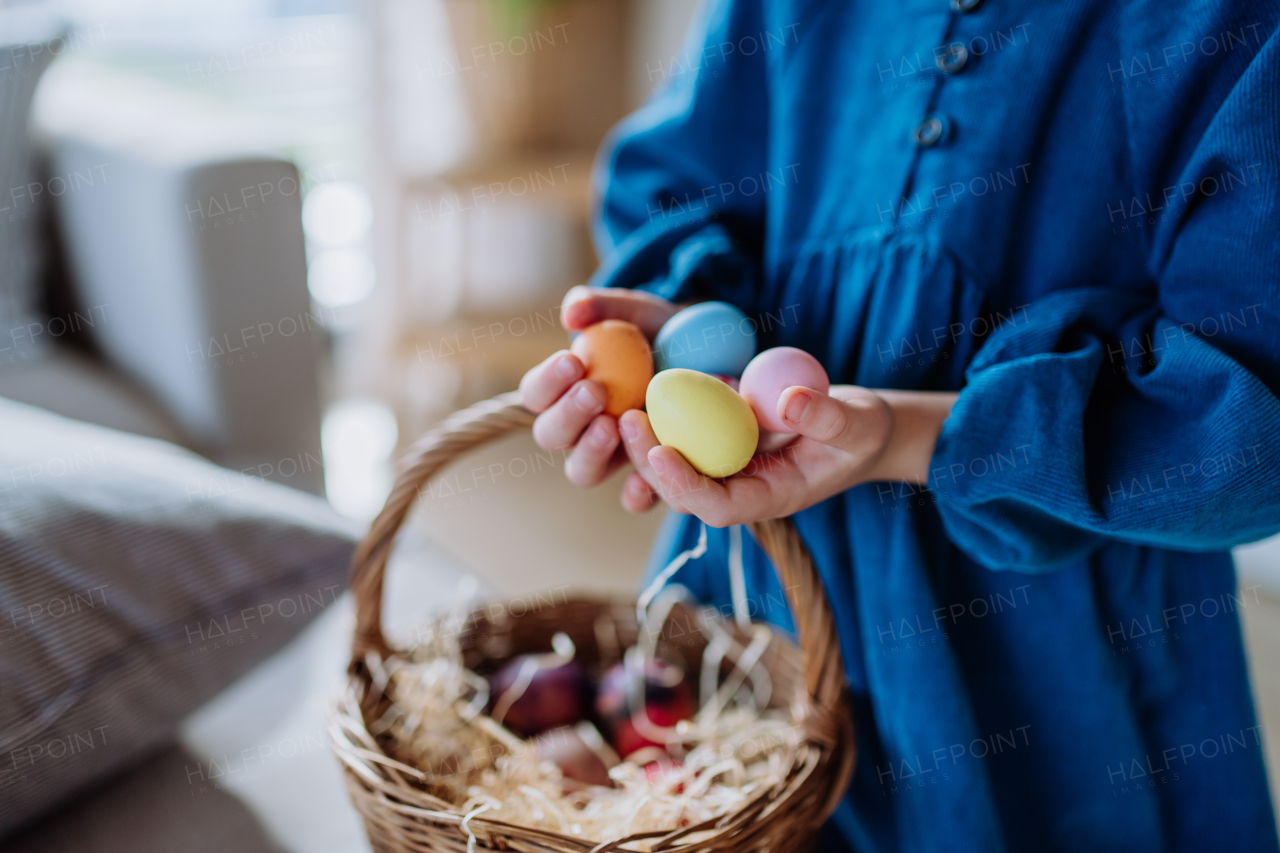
(704,419)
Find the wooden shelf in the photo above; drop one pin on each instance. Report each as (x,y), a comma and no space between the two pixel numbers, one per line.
(558,176)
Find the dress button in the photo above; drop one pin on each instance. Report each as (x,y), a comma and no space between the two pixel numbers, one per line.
(952,59)
(930,132)
(964,5)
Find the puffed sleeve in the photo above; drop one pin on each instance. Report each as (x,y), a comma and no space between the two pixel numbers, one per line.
(670,216)
(1146,414)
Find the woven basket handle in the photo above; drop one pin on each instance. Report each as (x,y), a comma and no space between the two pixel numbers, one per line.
(492,419)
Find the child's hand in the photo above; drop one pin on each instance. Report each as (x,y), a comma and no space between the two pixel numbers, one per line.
(571,409)
(852,436)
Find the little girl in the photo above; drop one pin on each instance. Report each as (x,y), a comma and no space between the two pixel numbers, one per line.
(1040,244)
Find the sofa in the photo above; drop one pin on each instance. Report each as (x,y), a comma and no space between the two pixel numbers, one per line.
(171,582)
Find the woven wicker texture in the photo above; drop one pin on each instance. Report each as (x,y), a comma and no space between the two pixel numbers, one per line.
(401,816)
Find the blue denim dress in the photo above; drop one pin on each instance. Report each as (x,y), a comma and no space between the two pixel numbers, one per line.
(1070,213)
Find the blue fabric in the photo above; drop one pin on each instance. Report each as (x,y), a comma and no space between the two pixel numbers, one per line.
(1043,645)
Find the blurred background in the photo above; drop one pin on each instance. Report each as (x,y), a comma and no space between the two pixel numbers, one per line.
(290,235)
(442,150)
(437,154)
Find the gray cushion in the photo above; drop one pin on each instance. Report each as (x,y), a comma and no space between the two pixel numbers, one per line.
(28,39)
(136,581)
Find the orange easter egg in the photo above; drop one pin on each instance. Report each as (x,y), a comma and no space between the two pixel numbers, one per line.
(616,354)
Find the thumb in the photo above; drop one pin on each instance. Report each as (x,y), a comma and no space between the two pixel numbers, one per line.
(583,306)
(839,423)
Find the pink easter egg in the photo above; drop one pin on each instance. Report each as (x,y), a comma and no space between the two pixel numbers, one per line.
(774,371)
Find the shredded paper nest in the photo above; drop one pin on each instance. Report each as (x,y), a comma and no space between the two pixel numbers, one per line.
(734,749)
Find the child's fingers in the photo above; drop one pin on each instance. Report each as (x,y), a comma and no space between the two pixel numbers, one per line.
(852,424)
(638,439)
(544,384)
(685,490)
(592,459)
(736,500)
(814,415)
(637,497)
(560,425)
(583,306)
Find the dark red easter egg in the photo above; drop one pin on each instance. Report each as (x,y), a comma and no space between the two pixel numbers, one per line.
(667,701)
(535,693)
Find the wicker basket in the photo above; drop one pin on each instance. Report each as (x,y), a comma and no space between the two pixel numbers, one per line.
(401,816)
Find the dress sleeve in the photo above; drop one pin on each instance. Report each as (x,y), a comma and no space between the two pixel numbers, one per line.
(673,211)
(1145,414)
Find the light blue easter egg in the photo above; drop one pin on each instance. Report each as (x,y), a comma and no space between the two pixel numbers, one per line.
(710,337)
